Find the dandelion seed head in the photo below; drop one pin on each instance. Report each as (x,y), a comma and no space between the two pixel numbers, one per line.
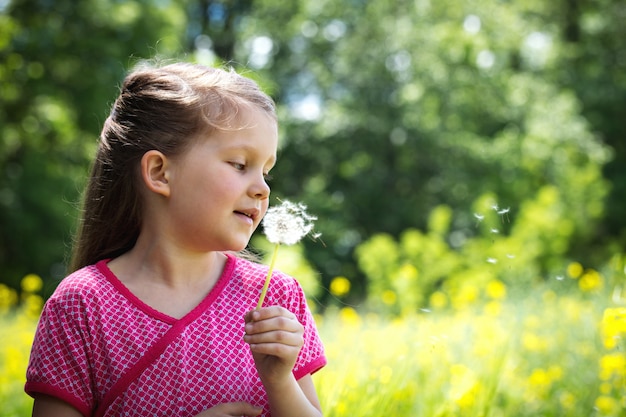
(288,223)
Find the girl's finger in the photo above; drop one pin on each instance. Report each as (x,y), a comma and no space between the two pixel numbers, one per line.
(278,350)
(275,329)
(268,312)
(276,337)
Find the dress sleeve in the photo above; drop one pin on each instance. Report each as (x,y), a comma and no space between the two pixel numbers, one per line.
(59,363)
(312,356)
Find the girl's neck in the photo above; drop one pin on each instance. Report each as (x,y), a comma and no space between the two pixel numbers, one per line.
(171,283)
(151,261)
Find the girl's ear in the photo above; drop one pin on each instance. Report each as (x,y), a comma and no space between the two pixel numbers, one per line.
(155,172)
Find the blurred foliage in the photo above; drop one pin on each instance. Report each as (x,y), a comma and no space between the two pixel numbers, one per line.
(61,63)
(422,270)
(399,120)
(435,103)
(540,355)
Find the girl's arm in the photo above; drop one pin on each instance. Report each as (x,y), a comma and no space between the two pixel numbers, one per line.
(299,399)
(47,406)
(275,337)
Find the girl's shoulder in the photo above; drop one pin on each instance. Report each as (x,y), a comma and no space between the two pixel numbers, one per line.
(257,271)
(87,283)
(283,289)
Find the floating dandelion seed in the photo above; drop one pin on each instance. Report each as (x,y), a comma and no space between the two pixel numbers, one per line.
(494,230)
(286,224)
(492,260)
(495,207)
(504,212)
(510,255)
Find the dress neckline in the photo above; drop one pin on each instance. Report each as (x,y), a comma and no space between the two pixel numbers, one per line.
(224,278)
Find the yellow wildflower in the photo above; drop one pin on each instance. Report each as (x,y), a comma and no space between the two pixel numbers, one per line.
(590,281)
(349,316)
(389,297)
(496,289)
(466,296)
(612,364)
(539,378)
(534,343)
(438,299)
(606,405)
(613,326)
(340,286)
(493,308)
(32,283)
(8,298)
(567,400)
(574,270)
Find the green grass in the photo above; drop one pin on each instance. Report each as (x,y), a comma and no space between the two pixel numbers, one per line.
(542,355)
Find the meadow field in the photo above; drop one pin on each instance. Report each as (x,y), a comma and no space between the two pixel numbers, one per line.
(541,353)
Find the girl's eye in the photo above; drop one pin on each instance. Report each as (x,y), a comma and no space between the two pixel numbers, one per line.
(238,166)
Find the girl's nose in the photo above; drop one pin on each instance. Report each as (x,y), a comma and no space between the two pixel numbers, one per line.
(260,189)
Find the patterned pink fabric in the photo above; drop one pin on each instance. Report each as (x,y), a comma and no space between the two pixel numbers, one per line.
(93,329)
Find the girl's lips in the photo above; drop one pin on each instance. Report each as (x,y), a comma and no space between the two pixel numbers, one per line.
(248,217)
(252,213)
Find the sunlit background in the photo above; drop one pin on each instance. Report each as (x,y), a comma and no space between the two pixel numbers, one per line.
(466,161)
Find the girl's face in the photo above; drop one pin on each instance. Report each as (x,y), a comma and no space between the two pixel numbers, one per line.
(219,192)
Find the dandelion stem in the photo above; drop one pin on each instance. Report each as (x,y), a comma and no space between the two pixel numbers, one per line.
(268,278)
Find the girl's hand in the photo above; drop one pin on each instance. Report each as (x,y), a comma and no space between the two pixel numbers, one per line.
(232,410)
(275,337)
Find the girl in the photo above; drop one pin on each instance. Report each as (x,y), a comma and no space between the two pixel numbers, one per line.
(158,317)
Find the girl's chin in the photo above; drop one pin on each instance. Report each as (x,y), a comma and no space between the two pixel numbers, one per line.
(238,247)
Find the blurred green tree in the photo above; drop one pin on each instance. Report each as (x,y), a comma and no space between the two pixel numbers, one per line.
(592,63)
(60,62)
(388,110)
(394,108)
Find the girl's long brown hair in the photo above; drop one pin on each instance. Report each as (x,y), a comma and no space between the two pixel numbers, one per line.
(160,108)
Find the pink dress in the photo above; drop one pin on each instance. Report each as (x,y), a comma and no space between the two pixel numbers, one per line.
(93,330)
